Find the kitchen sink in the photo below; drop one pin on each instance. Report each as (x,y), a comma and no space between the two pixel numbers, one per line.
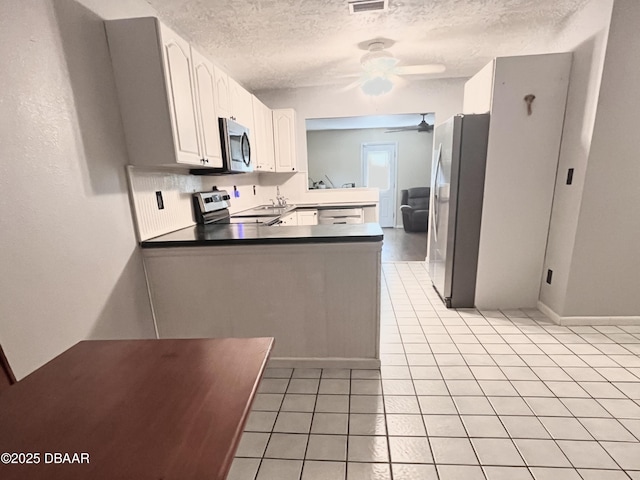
(264,210)
(271,207)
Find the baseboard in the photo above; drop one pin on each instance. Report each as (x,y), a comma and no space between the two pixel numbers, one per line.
(550,314)
(357,363)
(587,321)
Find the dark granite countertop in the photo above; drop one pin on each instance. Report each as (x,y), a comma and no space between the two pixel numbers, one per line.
(250,234)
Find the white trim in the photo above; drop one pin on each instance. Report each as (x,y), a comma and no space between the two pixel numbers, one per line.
(153,312)
(357,363)
(550,314)
(587,321)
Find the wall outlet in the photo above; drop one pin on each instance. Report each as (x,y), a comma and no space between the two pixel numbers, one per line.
(159,200)
(570,176)
(549,275)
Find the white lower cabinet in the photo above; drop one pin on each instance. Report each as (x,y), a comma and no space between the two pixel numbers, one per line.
(341,216)
(289,219)
(307,217)
(325,283)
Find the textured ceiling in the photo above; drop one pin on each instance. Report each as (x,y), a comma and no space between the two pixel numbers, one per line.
(267,44)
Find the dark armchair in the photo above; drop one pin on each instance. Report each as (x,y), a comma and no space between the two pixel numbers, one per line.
(415,209)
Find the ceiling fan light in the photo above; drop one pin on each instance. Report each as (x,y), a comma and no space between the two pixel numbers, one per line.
(377,86)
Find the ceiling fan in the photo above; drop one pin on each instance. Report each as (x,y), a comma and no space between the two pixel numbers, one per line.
(381,70)
(423,126)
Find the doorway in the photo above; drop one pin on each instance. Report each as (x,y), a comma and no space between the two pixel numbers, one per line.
(379,167)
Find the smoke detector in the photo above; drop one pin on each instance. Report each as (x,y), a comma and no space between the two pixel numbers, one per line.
(362,6)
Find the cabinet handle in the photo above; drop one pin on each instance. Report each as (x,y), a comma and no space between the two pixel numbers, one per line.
(293,169)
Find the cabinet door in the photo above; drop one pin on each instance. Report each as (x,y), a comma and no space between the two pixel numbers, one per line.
(307,217)
(223,101)
(235,100)
(241,104)
(269,160)
(205,95)
(258,134)
(263,135)
(180,91)
(284,139)
(289,219)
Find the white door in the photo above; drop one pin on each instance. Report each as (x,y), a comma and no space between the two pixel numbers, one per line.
(379,171)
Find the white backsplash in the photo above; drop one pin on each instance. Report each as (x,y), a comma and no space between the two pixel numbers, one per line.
(177,189)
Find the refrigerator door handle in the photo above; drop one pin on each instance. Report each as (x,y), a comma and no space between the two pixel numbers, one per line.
(434,218)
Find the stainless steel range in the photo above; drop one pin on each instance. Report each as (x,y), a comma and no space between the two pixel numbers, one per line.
(213,207)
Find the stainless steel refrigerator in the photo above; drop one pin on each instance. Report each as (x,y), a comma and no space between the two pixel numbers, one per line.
(457,186)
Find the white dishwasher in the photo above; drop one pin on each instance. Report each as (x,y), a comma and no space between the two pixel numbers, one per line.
(336,216)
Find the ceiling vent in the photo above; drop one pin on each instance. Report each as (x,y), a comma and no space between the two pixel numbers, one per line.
(361,6)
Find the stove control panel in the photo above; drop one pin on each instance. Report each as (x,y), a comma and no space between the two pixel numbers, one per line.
(212,201)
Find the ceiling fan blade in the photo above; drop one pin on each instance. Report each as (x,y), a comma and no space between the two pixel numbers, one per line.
(402,129)
(349,75)
(351,86)
(420,69)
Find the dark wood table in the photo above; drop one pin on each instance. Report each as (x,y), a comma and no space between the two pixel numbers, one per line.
(141,409)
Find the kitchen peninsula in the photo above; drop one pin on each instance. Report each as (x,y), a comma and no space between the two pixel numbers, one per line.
(315,288)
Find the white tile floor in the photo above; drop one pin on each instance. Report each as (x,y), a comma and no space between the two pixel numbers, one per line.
(461,395)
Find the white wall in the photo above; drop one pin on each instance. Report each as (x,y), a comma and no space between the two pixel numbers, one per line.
(70,266)
(604,279)
(337,153)
(586,36)
(443,97)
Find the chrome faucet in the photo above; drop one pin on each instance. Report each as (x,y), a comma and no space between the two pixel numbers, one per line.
(282,202)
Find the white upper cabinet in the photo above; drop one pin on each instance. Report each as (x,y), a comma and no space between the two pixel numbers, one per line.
(204,81)
(165,99)
(223,101)
(181,96)
(263,144)
(241,104)
(234,102)
(284,135)
(478,91)
(171,97)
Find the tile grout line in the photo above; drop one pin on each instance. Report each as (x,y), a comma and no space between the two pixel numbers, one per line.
(406,285)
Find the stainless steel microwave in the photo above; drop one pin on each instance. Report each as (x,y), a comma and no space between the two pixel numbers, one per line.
(236,147)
